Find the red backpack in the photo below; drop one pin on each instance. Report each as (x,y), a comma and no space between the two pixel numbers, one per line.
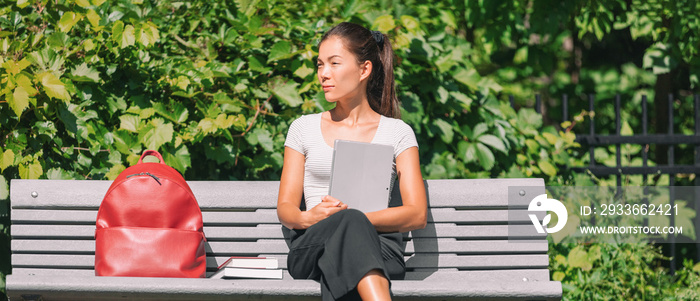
(149,225)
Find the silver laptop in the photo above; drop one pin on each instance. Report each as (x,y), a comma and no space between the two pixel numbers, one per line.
(361,174)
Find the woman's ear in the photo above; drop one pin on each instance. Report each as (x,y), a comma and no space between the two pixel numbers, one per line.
(365,70)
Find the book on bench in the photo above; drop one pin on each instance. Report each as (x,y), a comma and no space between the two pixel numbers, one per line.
(253,273)
(249,267)
(250,262)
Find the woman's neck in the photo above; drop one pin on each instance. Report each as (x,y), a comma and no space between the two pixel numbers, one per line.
(353,113)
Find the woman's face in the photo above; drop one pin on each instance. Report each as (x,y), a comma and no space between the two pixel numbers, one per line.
(338,71)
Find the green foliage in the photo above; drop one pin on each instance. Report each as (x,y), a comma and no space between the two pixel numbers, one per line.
(87,85)
(631,271)
(92,84)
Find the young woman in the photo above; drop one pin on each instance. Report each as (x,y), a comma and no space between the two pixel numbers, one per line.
(352,254)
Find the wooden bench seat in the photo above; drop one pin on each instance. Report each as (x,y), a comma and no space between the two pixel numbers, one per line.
(465,252)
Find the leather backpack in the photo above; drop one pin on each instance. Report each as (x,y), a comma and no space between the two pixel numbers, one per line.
(149,225)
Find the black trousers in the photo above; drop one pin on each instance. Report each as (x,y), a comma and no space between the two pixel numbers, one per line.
(339,250)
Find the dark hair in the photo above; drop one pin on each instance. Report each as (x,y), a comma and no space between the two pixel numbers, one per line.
(375,47)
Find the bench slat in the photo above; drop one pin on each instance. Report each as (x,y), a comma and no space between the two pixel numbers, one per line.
(465,262)
(446,245)
(444,275)
(260,194)
(268,216)
(459,287)
(88,217)
(33,231)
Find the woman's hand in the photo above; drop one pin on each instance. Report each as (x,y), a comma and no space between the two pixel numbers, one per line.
(328,206)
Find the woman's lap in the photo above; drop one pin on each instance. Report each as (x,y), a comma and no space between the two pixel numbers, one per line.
(339,250)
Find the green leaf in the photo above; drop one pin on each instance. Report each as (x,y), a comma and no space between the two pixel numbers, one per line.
(488,83)
(13,67)
(123,35)
(58,174)
(281,50)
(175,112)
(470,154)
(130,123)
(19,100)
(529,118)
(58,40)
(247,7)
(462,98)
(53,86)
(260,137)
(286,91)
(479,130)
(578,258)
(7,160)
(255,65)
(48,59)
(469,77)
(68,20)
(223,121)
(207,125)
(93,18)
(626,129)
(494,142)
(443,95)
(127,38)
(26,83)
(126,142)
(117,30)
(520,56)
(147,34)
(22,4)
(114,172)
(410,23)
(558,276)
(303,71)
(156,133)
(384,23)
(657,58)
(550,138)
(30,171)
(446,132)
(4,188)
(82,3)
(485,156)
(180,160)
(83,73)
(547,168)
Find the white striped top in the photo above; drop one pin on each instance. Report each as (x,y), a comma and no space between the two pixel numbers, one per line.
(305,136)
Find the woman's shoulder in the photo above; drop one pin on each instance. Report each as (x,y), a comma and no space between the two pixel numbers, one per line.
(306,119)
(397,124)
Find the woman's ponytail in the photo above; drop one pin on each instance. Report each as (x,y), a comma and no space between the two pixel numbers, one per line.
(389,101)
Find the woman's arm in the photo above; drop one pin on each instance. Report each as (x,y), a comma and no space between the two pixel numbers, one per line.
(290,195)
(414,212)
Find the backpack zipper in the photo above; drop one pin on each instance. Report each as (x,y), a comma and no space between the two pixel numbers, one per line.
(146,174)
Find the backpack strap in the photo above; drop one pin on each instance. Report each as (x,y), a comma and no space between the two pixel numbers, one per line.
(151,153)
